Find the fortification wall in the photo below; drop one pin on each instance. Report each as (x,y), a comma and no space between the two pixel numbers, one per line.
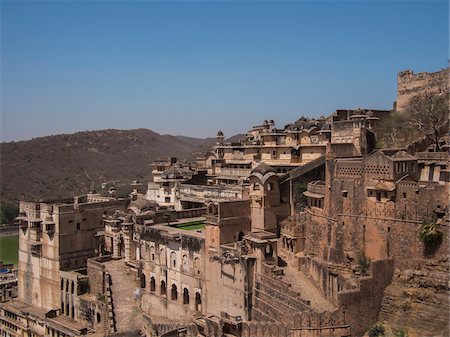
(410,84)
(417,299)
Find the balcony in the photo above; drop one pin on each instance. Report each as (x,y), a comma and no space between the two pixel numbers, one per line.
(50,228)
(316,187)
(35,234)
(35,249)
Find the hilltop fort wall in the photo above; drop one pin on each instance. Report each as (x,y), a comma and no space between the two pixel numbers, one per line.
(411,84)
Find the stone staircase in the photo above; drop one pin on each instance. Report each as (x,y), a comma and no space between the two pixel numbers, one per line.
(111,319)
(126,314)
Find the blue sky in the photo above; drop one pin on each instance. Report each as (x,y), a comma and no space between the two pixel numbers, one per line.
(192,68)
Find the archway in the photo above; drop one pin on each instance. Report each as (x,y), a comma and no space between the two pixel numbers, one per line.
(163,288)
(142,280)
(198,302)
(152,284)
(185,296)
(174,293)
(121,246)
(268,251)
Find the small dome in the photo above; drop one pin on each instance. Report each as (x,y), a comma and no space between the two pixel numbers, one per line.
(173,172)
(141,205)
(263,169)
(220,134)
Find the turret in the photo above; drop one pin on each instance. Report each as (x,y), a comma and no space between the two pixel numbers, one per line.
(220,138)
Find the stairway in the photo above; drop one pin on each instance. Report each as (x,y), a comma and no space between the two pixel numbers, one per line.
(112,324)
(127,315)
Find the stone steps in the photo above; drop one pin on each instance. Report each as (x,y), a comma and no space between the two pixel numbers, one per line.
(127,315)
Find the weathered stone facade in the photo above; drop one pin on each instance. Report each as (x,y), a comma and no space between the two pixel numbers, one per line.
(227,247)
(411,84)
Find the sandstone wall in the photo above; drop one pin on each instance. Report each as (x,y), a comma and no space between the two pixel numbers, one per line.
(410,84)
(417,299)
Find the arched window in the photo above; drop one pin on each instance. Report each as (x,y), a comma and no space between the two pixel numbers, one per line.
(99,318)
(67,309)
(185,296)
(72,287)
(162,257)
(173,259)
(185,263)
(197,270)
(142,280)
(62,307)
(174,293)
(152,284)
(163,289)
(62,284)
(72,312)
(268,252)
(67,285)
(198,302)
(152,253)
(240,236)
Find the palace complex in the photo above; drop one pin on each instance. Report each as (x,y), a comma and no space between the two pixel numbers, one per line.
(304,231)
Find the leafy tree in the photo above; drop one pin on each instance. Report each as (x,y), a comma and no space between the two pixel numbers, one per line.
(430,233)
(8,211)
(300,198)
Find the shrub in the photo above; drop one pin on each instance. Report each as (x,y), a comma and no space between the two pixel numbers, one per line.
(101,297)
(300,198)
(376,331)
(401,333)
(364,263)
(8,211)
(430,233)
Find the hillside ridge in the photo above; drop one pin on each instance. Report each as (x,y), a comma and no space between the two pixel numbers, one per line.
(55,165)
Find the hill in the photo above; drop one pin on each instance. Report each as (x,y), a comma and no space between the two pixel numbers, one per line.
(62,165)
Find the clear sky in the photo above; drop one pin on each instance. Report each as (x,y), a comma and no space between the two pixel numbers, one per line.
(194,67)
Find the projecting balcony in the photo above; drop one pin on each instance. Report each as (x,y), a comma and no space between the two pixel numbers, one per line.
(316,188)
(35,234)
(50,228)
(35,249)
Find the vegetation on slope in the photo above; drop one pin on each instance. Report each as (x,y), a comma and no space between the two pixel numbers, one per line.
(424,117)
(62,165)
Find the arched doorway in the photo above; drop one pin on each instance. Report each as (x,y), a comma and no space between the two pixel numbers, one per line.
(121,246)
(185,296)
(152,284)
(142,280)
(174,293)
(268,251)
(163,288)
(198,302)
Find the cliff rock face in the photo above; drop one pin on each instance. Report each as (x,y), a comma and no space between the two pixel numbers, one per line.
(417,300)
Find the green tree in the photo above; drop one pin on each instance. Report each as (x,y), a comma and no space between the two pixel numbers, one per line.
(8,212)
(300,198)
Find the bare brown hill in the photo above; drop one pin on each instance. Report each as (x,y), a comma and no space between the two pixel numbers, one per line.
(67,164)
